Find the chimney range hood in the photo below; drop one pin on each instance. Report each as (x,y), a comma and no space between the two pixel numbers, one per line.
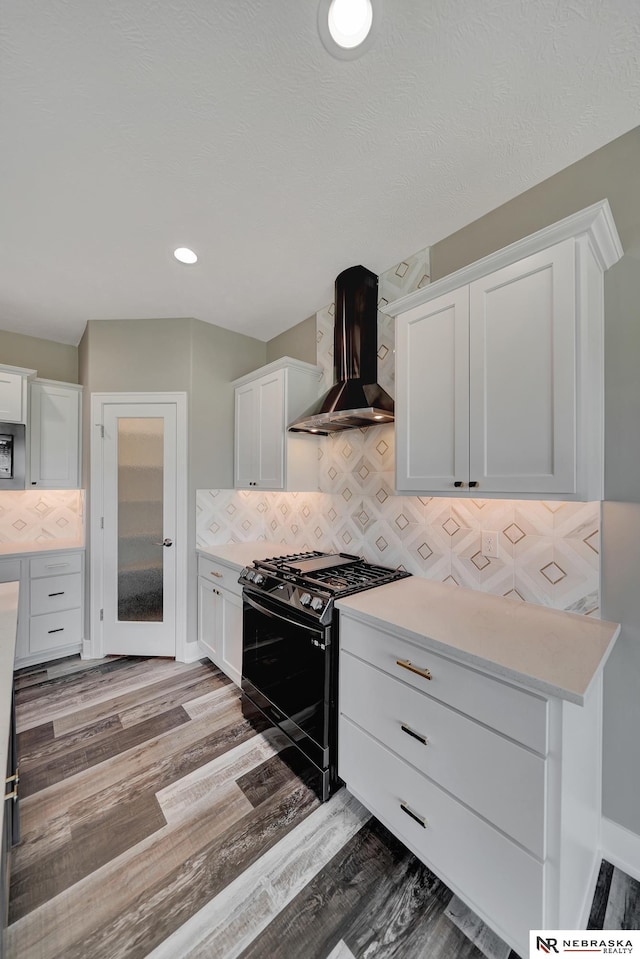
(356,399)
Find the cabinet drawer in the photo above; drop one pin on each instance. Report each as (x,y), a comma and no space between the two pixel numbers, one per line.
(222,576)
(498,879)
(499,779)
(514,712)
(53,593)
(55,629)
(53,564)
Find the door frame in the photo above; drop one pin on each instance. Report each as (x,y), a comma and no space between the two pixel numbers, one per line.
(96,503)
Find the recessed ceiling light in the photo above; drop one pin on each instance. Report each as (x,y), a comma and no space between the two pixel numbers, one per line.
(346,27)
(185,255)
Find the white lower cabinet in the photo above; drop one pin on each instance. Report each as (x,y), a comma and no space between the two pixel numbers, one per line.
(494,787)
(220,616)
(51,606)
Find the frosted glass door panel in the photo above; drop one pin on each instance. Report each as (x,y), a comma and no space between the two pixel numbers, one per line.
(140,519)
(139,474)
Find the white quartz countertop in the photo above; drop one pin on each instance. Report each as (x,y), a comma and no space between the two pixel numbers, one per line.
(8,627)
(27,549)
(239,555)
(547,650)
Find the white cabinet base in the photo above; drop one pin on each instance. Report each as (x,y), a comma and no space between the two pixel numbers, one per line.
(51,603)
(220,616)
(529,863)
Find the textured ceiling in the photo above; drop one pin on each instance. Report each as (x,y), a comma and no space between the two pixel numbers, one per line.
(130,127)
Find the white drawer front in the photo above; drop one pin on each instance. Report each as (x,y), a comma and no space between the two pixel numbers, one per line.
(518,714)
(54,564)
(499,779)
(220,575)
(53,593)
(55,629)
(499,880)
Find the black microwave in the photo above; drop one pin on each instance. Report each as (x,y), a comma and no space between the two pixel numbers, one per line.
(12,456)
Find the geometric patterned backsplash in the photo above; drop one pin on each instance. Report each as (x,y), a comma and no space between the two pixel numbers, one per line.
(41,516)
(548,552)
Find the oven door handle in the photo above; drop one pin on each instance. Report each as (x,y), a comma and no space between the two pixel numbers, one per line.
(268,612)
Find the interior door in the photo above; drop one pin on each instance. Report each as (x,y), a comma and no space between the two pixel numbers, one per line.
(140,467)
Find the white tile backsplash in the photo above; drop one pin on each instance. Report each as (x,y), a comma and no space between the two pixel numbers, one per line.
(41,516)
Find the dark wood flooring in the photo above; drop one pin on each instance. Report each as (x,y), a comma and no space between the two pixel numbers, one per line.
(157,822)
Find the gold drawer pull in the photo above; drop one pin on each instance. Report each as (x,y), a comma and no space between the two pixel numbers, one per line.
(414,815)
(15,779)
(219,575)
(407,664)
(411,732)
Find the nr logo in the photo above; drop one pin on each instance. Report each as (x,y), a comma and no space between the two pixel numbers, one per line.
(546,945)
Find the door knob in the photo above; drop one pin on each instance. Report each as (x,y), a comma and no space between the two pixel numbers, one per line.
(165,542)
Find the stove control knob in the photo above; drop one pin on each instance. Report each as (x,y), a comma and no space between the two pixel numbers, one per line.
(305,599)
(316,603)
(250,574)
(258,578)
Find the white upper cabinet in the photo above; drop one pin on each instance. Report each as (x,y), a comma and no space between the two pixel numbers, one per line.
(13,394)
(499,370)
(55,435)
(266,456)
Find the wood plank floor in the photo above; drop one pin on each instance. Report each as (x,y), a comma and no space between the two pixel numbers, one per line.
(157,822)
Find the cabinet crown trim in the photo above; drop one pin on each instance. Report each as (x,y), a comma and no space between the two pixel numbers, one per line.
(19,370)
(595,222)
(284,363)
(39,381)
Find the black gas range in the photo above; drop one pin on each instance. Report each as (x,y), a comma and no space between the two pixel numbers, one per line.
(290,647)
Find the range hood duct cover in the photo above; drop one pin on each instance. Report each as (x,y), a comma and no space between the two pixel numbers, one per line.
(356,399)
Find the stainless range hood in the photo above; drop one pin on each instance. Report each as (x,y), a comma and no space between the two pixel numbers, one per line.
(357,399)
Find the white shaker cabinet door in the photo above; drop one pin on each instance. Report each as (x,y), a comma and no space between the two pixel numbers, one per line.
(246,432)
(210,620)
(432,403)
(271,431)
(11,397)
(232,636)
(522,395)
(55,436)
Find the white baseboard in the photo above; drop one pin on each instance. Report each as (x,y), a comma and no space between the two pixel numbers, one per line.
(191,652)
(620,847)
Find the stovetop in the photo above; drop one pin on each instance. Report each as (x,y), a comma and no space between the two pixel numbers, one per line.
(312,581)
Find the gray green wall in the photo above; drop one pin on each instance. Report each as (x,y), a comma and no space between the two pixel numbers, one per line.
(299,342)
(53,361)
(612,173)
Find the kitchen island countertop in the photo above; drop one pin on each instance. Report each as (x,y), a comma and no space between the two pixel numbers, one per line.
(547,650)
(9,550)
(8,628)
